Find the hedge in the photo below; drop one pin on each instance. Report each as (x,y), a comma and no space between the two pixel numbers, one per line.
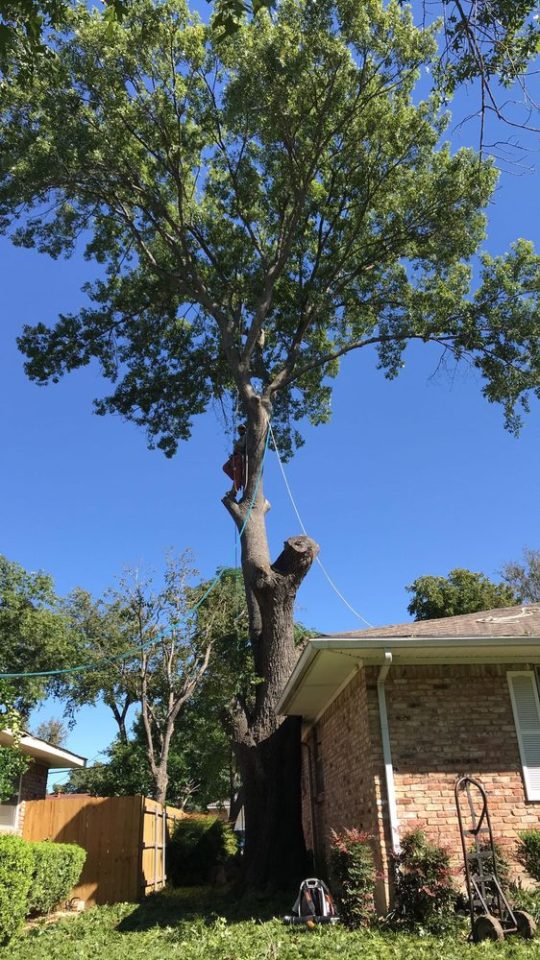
(16,868)
(57,867)
(34,877)
(197,846)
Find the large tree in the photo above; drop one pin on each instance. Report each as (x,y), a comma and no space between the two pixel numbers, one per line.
(262,206)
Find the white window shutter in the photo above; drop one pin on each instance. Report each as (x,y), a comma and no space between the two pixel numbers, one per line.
(526,707)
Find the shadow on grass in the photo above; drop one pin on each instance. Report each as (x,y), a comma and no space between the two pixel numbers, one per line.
(173,906)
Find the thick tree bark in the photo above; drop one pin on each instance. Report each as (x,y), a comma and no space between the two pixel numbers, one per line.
(161,781)
(266,745)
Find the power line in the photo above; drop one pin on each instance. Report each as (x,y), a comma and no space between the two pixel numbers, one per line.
(301,522)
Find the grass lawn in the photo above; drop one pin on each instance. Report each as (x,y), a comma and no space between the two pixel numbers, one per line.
(198,925)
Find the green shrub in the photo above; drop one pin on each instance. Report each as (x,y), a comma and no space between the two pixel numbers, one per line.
(528,852)
(57,867)
(199,845)
(424,892)
(528,900)
(353,876)
(16,865)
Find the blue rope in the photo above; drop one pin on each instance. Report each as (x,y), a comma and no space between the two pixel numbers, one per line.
(257,485)
(160,636)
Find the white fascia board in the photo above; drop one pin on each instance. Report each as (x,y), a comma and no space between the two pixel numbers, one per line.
(298,675)
(54,757)
(414,650)
(402,643)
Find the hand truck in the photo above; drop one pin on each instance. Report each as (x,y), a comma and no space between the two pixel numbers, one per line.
(492,917)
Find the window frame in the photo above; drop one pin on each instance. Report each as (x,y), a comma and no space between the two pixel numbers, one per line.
(14,826)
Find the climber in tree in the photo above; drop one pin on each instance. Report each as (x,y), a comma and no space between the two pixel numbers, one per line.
(235,467)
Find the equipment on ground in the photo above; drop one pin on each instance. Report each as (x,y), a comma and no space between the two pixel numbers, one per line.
(492,917)
(314,905)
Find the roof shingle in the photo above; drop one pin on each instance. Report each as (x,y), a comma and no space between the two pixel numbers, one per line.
(504,622)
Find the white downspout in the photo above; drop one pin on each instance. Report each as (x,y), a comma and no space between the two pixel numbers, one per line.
(387,753)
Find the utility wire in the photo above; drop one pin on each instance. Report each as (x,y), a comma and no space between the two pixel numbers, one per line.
(301,522)
(133,651)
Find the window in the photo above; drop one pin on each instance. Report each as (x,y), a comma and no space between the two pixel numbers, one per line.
(526,707)
(9,811)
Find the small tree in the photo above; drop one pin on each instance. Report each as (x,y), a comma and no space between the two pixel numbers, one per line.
(151,651)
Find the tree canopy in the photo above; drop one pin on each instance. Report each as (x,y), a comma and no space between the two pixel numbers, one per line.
(462,591)
(34,633)
(264,182)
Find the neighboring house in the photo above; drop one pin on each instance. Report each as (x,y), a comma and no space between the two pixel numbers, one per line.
(394,715)
(33,783)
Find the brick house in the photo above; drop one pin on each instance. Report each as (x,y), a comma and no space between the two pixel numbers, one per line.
(394,715)
(33,783)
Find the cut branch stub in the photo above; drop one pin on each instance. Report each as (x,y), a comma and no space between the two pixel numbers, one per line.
(296,558)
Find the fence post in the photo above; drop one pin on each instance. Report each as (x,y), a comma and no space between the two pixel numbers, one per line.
(155,847)
(164,835)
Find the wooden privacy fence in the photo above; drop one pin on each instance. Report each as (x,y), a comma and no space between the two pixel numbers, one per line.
(125,840)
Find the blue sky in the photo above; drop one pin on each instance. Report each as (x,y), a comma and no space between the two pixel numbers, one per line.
(411,477)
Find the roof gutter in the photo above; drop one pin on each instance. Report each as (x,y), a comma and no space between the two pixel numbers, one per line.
(387,753)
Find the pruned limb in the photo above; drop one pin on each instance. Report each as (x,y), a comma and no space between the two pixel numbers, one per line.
(296,558)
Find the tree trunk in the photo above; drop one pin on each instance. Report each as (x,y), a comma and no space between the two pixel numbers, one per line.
(161,782)
(267,746)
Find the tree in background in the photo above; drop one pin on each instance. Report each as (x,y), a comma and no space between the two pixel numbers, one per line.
(34,634)
(172,658)
(524,578)
(53,731)
(151,648)
(125,771)
(462,591)
(201,767)
(103,633)
(12,762)
(262,205)
(199,763)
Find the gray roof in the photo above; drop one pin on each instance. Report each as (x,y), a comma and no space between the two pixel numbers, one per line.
(503,622)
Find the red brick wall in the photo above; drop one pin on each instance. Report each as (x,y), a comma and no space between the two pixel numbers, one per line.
(34,782)
(33,787)
(447,721)
(350,797)
(444,721)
